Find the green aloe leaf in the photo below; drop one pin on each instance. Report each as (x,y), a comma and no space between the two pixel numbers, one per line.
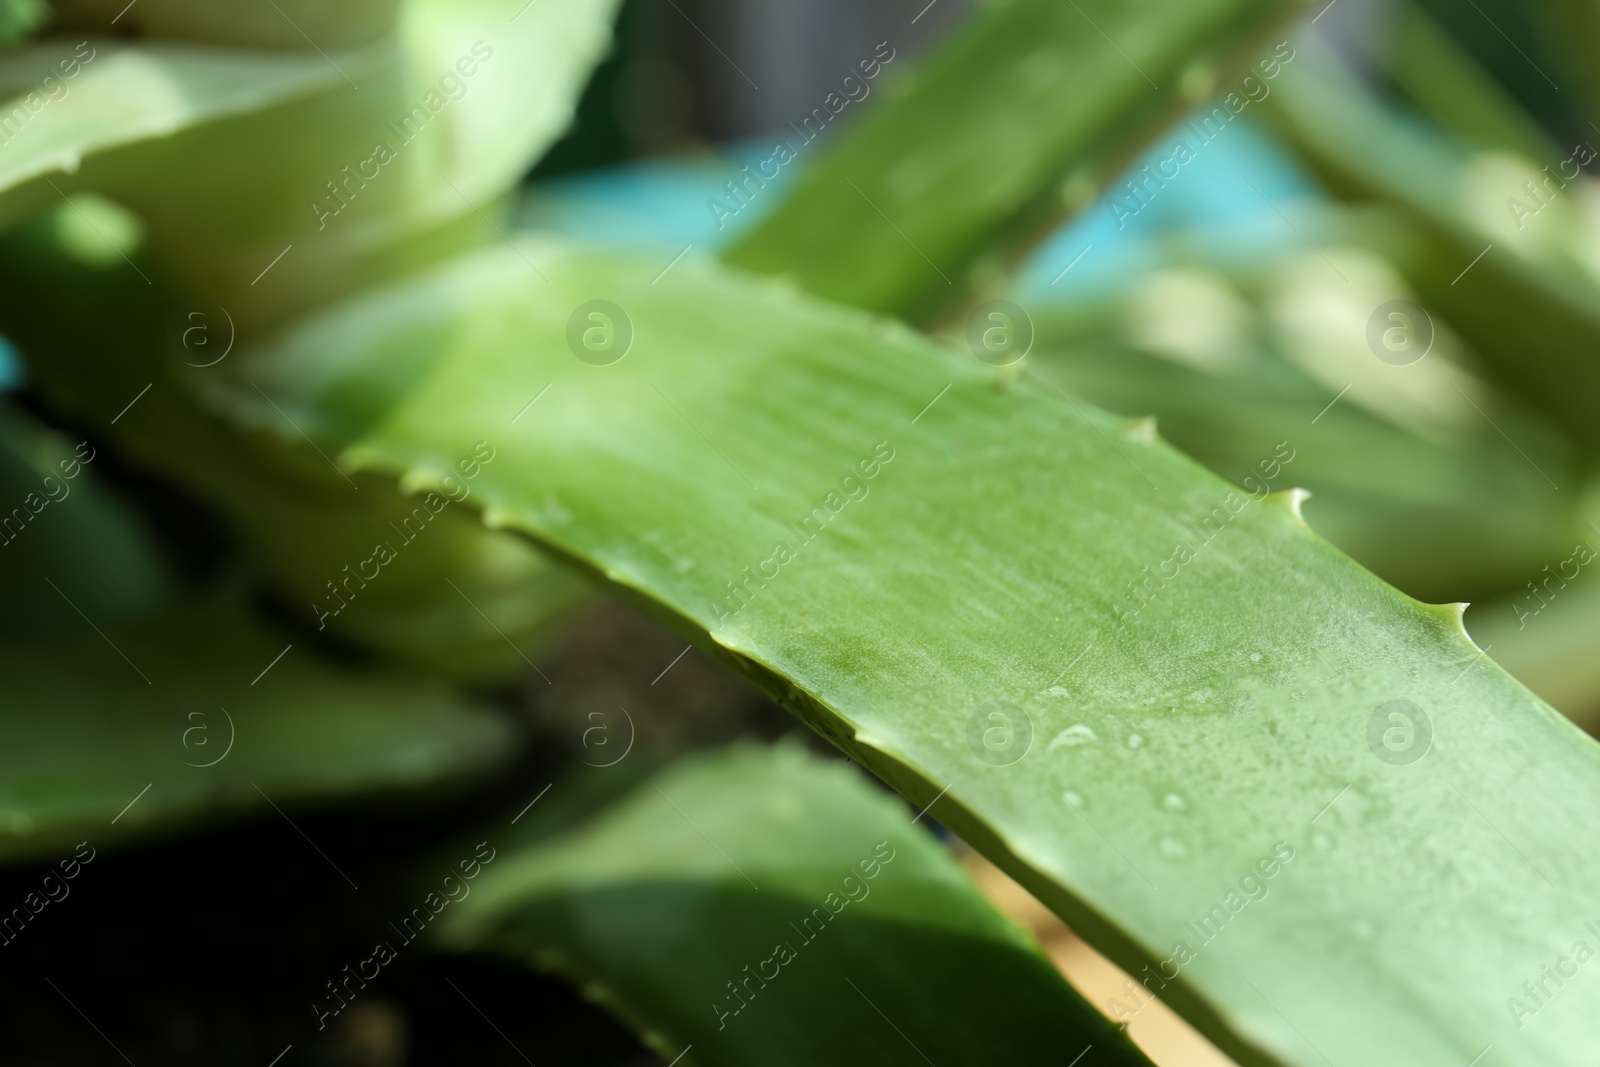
(118,733)
(1020,119)
(1304,807)
(761,906)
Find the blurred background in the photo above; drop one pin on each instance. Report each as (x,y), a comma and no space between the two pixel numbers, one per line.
(1234,303)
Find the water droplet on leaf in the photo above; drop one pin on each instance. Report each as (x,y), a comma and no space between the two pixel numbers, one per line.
(1073,736)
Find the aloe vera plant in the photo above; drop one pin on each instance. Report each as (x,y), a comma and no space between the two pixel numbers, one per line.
(357,454)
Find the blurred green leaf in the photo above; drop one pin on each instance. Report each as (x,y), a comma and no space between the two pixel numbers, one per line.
(127,373)
(1135,689)
(67,102)
(58,518)
(762,906)
(341,168)
(1445,83)
(1546,630)
(1409,466)
(1515,273)
(1572,32)
(301,25)
(1018,120)
(19,18)
(107,735)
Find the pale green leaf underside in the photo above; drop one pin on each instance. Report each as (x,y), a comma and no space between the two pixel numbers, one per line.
(366,162)
(1170,757)
(125,95)
(656,919)
(84,733)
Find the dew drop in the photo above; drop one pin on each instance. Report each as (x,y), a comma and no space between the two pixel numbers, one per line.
(1173,849)
(1073,799)
(1073,736)
(1057,691)
(1320,840)
(1255,657)
(1173,802)
(1135,741)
